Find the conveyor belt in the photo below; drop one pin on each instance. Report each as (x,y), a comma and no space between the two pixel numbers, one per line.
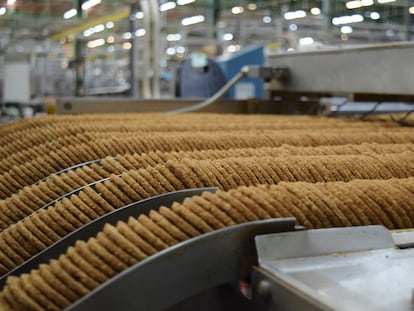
(325,172)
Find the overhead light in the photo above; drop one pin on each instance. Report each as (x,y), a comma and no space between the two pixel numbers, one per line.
(99,28)
(252,6)
(355,4)
(184,2)
(139,15)
(233,48)
(192,20)
(167,6)
(267,19)
(127,45)
(110,39)
(293,27)
(140,32)
(367,2)
(3,11)
(110,25)
(411,10)
(90,3)
(228,36)
(111,49)
(170,51)
(306,41)
(180,49)
(70,13)
(385,1)
(11,2)
(95,43)
(173,37)
(88,32)
(346,29)
(375,15)
(349,19)
(237,10)
(315,11)
(127,35)
(294,14)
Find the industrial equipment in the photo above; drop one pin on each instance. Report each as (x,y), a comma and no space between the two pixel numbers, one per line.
(269,265)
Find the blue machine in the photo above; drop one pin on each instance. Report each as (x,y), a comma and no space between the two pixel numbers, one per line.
(231,65)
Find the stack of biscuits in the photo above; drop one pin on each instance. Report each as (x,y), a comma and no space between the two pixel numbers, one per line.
(59,173)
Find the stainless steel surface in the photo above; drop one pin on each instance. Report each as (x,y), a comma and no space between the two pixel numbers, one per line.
(91,229)
(383,69)
(179,272)
(404,239)
(357,268)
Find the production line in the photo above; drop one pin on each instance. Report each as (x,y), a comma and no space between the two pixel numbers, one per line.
(95,212)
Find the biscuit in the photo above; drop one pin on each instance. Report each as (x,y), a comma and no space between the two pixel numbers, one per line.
(146,234)
(107,255)
(77,271)
(17,298)
(157,230)
(119,240)
(171,228)
(134,238)
(83,249)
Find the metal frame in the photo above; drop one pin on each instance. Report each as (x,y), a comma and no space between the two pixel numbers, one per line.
(221,257)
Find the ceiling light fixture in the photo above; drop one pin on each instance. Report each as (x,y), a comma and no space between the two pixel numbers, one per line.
(228,36)
(252,6)
(11,2)
(127,35)
(110,25)
(173,37)
(315,11)
(385,1)
(306,41)
(95,43)
(349,19)
(346,29)
(294,14)
(99,28)
(3,11)
(355,4)
(127,45)
(184,2)
(167,6)
(139,15)
(89,4)
(192,20)
(375,15)
(237,10)
(140,32)
(267,19)
(70,13)
(411,10)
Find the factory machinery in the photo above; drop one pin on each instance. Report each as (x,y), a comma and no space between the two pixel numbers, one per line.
(207,211)
(361,80)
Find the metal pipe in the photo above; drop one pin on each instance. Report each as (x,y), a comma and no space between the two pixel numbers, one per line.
(146,54)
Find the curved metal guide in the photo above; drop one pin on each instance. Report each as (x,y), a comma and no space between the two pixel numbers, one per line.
(184,270)
(75,191)
(91,229)
(71,168)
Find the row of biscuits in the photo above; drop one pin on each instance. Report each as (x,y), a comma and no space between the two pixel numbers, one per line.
(86,265)
(51,127)
(16,193)
(55,160)
(48,225)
